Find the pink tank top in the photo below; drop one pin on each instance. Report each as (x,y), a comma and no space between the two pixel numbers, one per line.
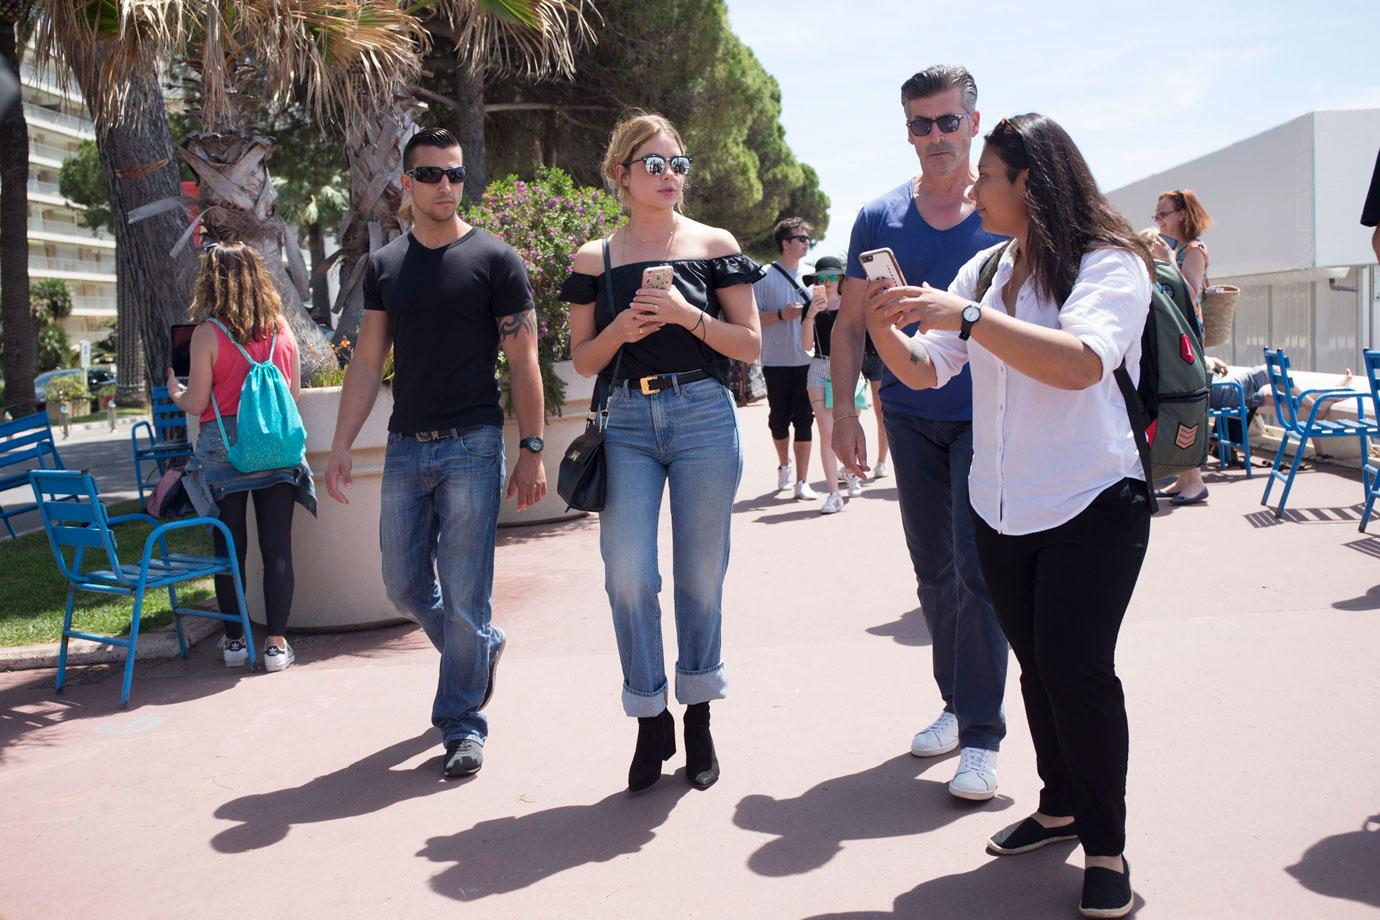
(230,369)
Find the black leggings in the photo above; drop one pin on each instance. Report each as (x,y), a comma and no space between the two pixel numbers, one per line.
(1060,595)
(273,514)
(789,403)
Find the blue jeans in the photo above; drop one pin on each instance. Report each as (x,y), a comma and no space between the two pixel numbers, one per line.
(931,459)
(437,525)
(687,435)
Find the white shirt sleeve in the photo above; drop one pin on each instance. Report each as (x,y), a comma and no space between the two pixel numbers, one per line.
(947,352)
(1108,305)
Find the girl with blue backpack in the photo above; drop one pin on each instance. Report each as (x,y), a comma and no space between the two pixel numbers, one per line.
(244,382)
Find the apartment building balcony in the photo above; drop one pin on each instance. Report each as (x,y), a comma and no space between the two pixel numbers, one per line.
(52,120)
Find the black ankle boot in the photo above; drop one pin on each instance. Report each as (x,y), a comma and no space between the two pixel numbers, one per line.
(701,766)
(656,741)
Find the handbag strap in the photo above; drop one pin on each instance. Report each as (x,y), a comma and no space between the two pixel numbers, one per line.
(600,408)
(799,289)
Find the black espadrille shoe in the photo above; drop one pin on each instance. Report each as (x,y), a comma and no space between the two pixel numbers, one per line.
(1106,892)
(1027,835)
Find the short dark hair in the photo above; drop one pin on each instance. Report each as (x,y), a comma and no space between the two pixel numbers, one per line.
(787,227)
(934,80)
(428,137)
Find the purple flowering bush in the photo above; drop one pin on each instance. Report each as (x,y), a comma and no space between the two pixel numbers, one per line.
(546,219)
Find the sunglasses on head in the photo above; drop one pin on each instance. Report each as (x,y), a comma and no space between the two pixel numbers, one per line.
(655,164)
(430,175)
(920,125)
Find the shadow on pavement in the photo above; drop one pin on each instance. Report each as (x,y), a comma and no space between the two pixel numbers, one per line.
(363,787)
(509,854)
(909,629)
(888,800)
(1368,545)
(1037,886)
(1368,601)
(765,500)
(517,534)
(1344,865)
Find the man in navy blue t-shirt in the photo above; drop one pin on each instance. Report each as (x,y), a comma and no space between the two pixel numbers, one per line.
(931,225)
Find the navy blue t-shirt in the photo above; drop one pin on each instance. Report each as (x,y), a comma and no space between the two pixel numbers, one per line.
(928,256)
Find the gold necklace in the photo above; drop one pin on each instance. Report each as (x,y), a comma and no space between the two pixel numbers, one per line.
(675,225)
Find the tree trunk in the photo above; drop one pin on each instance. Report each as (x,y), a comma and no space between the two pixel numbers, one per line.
(320,286)
(374,148)
(469,99)
(19,361)
(153,286)
(238,203)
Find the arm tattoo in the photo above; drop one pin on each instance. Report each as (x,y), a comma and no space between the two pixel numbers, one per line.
(510,326)
(918,355)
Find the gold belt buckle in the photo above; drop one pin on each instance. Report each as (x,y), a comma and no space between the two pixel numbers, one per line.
(646,383)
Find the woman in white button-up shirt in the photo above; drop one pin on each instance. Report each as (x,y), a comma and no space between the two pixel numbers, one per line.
(1058,494)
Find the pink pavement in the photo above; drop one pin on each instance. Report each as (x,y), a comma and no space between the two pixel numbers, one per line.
(1249,658)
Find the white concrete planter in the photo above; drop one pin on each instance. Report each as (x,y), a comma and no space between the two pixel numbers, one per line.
(335,555)
(560,431)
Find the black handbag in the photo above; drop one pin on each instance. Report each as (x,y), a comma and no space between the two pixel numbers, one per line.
(582,481)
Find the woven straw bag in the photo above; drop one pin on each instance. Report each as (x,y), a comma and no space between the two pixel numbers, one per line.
(1218,304)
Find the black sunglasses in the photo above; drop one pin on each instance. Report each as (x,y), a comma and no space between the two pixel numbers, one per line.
(655,164)
(430,175)
(804,239)
(920,125)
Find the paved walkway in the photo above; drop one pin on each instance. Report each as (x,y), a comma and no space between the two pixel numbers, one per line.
(1249,657)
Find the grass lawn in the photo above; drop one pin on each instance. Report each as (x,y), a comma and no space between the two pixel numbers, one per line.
(33,594)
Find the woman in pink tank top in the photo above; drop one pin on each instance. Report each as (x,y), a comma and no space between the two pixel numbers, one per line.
(236,305)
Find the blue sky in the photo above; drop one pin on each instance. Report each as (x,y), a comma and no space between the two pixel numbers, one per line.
(1141,87)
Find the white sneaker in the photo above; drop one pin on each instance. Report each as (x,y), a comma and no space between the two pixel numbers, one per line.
(278,659)
(882,470)
(854,486)
(843,475)
(833,504)
(940,737)
(234,652)
(803,492)
(784,475)
(976,777)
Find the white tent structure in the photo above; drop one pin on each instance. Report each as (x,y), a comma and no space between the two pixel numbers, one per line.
(1286,206)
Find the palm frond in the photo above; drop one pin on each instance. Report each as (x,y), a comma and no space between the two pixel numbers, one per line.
(532,38)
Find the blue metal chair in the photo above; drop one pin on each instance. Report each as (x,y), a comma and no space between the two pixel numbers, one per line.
(1371,358)
(166,439)
(76,522)
(1222,425)
(1288,407)
(24,443)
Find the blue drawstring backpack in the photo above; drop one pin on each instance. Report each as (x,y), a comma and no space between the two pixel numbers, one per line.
(269,432)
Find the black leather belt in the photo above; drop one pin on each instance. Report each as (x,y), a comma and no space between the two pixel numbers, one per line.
(658,382)
(441,434)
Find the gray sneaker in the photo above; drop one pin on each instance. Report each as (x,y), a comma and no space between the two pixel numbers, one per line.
(464,757)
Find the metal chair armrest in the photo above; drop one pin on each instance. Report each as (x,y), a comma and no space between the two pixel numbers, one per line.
(158,533)
(126,518)
(134,435)
(1235,385)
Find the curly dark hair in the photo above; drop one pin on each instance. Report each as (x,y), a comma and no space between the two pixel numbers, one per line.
(1068,214)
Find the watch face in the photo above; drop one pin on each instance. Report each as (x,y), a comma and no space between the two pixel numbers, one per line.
(534,444)
(972,313)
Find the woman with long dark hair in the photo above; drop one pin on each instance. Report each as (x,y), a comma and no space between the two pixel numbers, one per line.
(662,351)
(241,320)
(1059,497)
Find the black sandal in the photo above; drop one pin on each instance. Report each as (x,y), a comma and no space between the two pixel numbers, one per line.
(1027,835)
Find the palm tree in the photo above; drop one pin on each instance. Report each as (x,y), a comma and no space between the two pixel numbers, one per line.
(336,58)
(19,354)
(531,38)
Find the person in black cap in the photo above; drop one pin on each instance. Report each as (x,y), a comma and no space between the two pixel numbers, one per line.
(814,338)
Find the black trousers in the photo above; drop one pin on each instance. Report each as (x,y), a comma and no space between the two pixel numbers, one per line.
(789,404)
(273,514)
(1060,596)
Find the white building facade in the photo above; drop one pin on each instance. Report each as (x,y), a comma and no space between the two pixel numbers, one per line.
(1286,206)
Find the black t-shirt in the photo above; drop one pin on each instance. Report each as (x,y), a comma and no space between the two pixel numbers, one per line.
(444,305)
(671,349)
(1370,214)
(824,328)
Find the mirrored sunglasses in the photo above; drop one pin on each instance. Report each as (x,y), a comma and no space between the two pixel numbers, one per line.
(656,164)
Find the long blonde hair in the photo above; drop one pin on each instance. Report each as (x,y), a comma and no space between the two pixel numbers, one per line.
(234,287)
(633,130)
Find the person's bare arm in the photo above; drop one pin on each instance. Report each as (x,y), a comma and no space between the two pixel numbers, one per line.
(845,363)
(517,336)
(357,396)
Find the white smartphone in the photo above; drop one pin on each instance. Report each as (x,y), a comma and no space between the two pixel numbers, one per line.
(881,265)
(658,276)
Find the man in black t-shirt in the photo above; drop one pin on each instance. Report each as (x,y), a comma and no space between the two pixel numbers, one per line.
(445,297)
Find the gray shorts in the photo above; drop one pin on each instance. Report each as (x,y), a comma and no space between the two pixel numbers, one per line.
(818,374)
(872,367)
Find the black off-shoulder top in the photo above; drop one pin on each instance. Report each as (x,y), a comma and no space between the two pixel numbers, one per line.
(671,349)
